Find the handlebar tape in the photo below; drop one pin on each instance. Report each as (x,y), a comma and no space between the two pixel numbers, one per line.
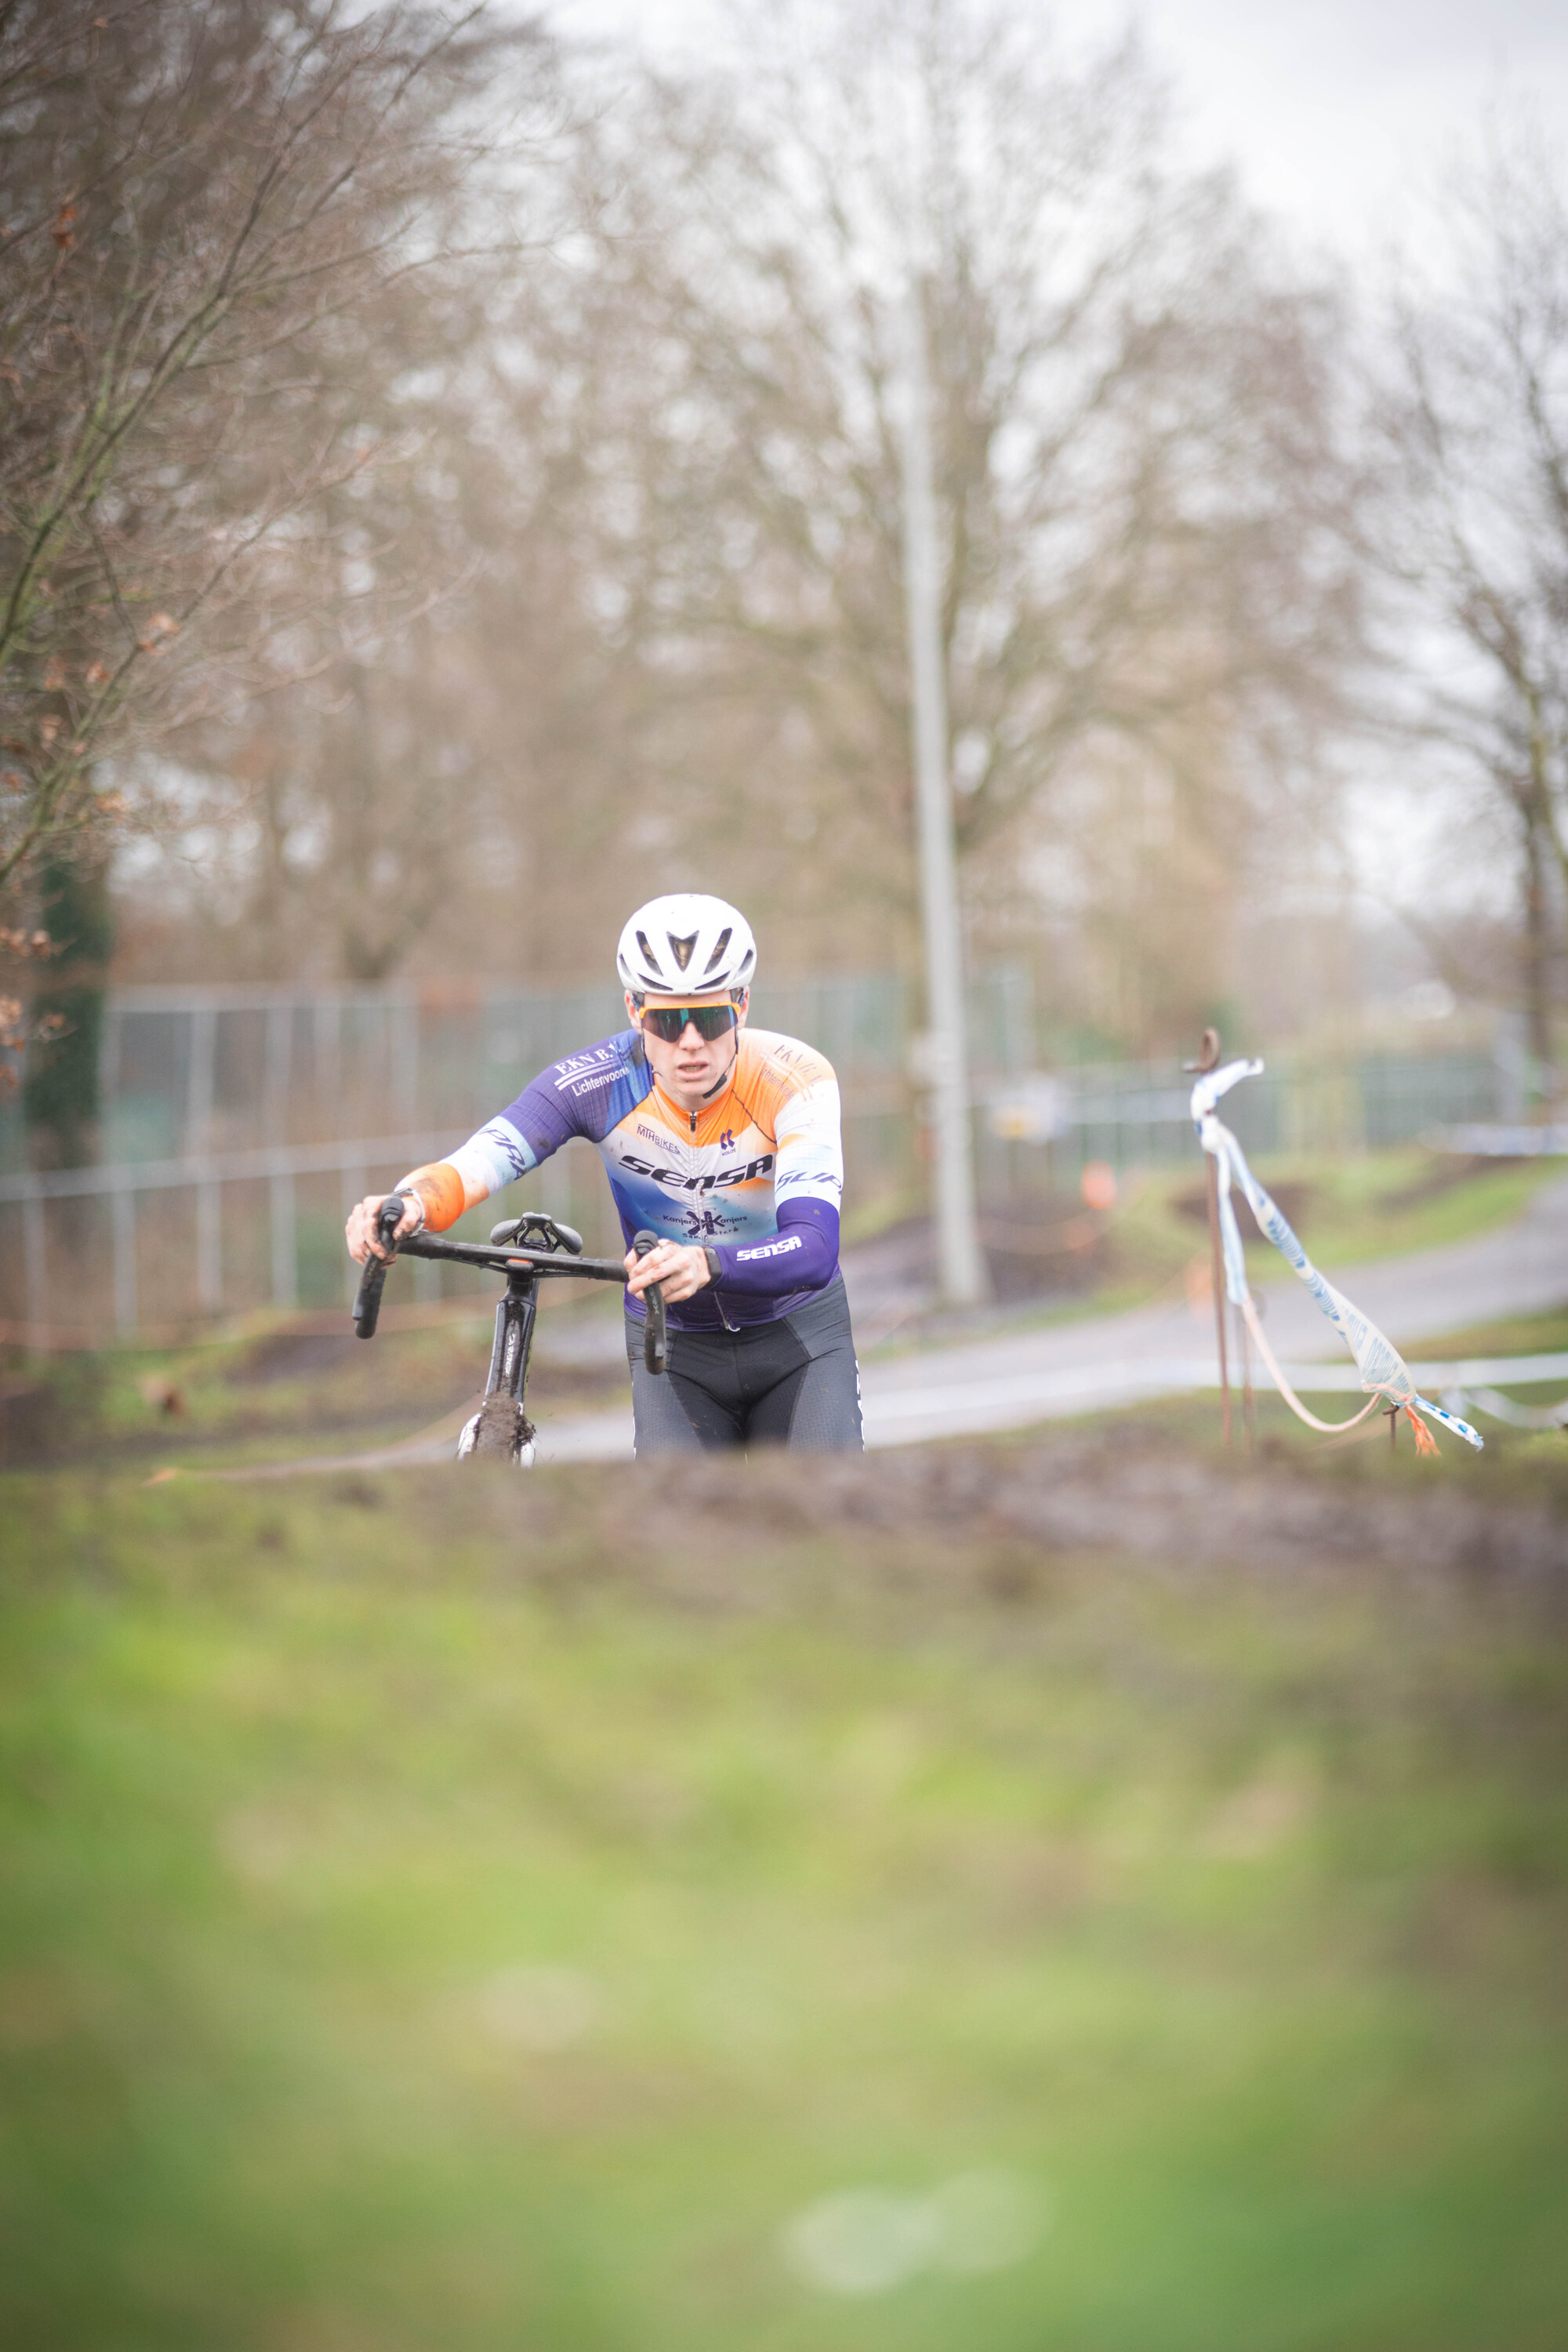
(656,1338)
(367,1300)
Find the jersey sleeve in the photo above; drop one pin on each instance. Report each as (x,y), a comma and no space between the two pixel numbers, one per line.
(583,1094)
(802,1255)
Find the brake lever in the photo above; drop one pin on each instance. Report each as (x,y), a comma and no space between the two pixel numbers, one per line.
(655,1337)
(367,1300)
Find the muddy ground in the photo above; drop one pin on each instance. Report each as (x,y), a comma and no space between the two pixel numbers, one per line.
(990,1519)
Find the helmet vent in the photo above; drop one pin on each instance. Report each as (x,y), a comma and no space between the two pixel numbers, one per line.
(649,956)
(717,957)
(681,949)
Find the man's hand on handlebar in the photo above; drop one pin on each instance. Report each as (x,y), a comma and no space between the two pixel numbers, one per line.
(360,1232)
(681,1268)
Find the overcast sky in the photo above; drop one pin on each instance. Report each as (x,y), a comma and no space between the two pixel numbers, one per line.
(1331,108)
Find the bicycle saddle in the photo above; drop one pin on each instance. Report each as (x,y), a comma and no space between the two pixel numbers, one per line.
(534,1230)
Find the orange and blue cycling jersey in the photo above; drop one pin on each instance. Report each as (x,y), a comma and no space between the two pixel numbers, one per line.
(757,1175)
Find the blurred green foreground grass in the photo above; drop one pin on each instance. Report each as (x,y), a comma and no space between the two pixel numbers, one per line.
(487,1915)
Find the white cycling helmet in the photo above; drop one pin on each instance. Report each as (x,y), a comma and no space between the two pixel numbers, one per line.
(687,944)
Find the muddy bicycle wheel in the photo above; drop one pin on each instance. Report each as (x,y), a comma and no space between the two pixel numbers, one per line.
(502,1432)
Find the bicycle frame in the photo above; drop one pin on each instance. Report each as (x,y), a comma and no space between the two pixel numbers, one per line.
(524,1268)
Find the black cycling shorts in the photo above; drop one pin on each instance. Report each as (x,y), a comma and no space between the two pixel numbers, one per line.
(790,1382)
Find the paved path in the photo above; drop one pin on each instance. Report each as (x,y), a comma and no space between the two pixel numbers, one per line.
(1007,1382)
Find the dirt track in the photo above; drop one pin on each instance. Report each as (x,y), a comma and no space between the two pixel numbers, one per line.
(995,1513)
(1157,1504)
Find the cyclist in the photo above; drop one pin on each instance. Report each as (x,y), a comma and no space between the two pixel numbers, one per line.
(722,1140)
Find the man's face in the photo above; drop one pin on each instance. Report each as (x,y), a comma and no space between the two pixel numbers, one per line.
(691,1066)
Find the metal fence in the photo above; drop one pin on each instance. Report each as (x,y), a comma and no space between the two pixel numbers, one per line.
(189,1071)
(113,1229)
(239,1124)
(1136,1112)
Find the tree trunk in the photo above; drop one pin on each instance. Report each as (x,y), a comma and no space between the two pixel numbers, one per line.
(1538,960)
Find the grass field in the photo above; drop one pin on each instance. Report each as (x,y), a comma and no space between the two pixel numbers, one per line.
(735,1913)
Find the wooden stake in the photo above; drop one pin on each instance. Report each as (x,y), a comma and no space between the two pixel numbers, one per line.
(1217,1262)
(1208,1059)
(1248,1401)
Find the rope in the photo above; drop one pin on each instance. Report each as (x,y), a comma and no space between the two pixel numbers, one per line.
(1383,1371)
(1287,1392)
(1502,1407)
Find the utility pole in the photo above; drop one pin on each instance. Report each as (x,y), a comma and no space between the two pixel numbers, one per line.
(961,1265)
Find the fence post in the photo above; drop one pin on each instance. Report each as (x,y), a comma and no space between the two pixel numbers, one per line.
(209,1251)
(405,1058)
(34,1245)
(122,1202)
(285,1261)
(109,1058)
(199,1078)
(352,1190)
(327,1073)
(279,1052)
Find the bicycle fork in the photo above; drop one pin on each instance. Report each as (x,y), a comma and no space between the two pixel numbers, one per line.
(513,1342)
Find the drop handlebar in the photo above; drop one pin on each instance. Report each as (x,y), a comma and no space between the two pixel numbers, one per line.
(655,1337)
(561,1257)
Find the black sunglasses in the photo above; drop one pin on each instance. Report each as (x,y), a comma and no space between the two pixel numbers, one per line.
(668,1020)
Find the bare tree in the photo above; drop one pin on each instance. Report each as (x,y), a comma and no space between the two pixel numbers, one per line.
(459,789)
(476,790)
(1148,605)
(202,211)
(1474,527)
(653,471)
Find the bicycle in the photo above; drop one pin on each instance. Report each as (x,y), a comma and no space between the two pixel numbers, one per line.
(501,1429)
